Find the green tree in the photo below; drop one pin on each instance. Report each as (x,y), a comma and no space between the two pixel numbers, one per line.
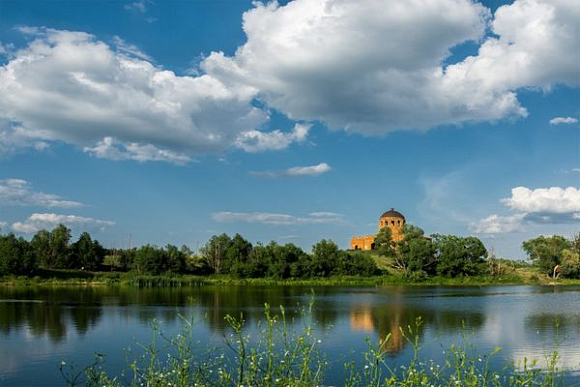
(150,260)
(355,263)
(215,250)
(40,244)
(236,257)
(384,243)
(546,252)
(87,254)
(257,265)
(459,256)
(59,249)
(281,259)
(324,259)
(175,258)
(16,256)
(415,252)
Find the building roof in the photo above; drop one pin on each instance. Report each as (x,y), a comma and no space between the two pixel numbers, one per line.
(392,213)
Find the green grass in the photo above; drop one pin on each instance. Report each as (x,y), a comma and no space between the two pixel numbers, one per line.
(85,278)
(280,356)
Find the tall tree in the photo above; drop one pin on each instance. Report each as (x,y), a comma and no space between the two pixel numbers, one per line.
(237,254)
(384,243)
(150,260)
(175,259)
(59,246)
(16,256)
(459,256)
(215,250)
(546,252)
(415,252)
(41,247)
(87,254)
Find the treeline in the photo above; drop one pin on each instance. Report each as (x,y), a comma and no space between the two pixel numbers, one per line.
(49,250)
(222,254)
(415,256)
(237,257)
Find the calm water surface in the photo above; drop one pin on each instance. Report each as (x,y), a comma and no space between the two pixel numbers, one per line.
(41,326)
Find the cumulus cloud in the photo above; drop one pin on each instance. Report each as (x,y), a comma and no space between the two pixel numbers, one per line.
(552,205)
(366,66)
(38,222)
(277,219)
(563,120)
(313,170)
(18,192)
(68,86)
(109,148)
(3,225)
(550,200)
(495,224)
(373,67)
(257,141)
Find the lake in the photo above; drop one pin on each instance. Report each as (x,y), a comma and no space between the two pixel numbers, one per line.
(40,326)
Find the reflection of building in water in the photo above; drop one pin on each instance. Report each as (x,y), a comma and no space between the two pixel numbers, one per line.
(363,319)
(392,219)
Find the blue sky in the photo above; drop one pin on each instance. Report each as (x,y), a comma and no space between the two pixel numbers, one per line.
(297,121)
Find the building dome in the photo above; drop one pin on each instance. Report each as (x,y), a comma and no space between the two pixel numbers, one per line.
(392,213)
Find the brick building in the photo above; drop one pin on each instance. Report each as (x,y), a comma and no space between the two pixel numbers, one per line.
(392,219)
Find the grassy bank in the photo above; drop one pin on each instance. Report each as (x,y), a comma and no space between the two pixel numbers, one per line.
(86,278)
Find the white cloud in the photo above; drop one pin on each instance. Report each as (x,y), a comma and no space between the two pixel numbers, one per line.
(367,66)
(277,219)
(109,148)
(139,5)
(372,66)
(550,200)
(130,49)
(313,170)
(3,226)
(38,222)
(563,120)
(257,141)
(6,49)
(68,86)
(552,205)
(18,192)
(575,169)
(495,224)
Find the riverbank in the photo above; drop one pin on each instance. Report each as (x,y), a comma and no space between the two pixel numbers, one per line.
(87,278)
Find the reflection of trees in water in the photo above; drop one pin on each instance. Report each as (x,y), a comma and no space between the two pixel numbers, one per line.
(550,324)
(52,310)
(396,312)
(48,311)
(249,301)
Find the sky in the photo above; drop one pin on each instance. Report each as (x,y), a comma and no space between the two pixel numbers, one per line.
(168,122)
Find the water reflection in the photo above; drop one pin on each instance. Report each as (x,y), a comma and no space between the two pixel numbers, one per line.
(53,311)
(386,321)
(48,312)
(47,324)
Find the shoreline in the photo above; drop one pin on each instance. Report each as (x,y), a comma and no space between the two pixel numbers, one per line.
(97,279)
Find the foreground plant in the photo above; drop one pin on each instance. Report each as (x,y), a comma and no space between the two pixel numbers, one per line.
(281,356)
